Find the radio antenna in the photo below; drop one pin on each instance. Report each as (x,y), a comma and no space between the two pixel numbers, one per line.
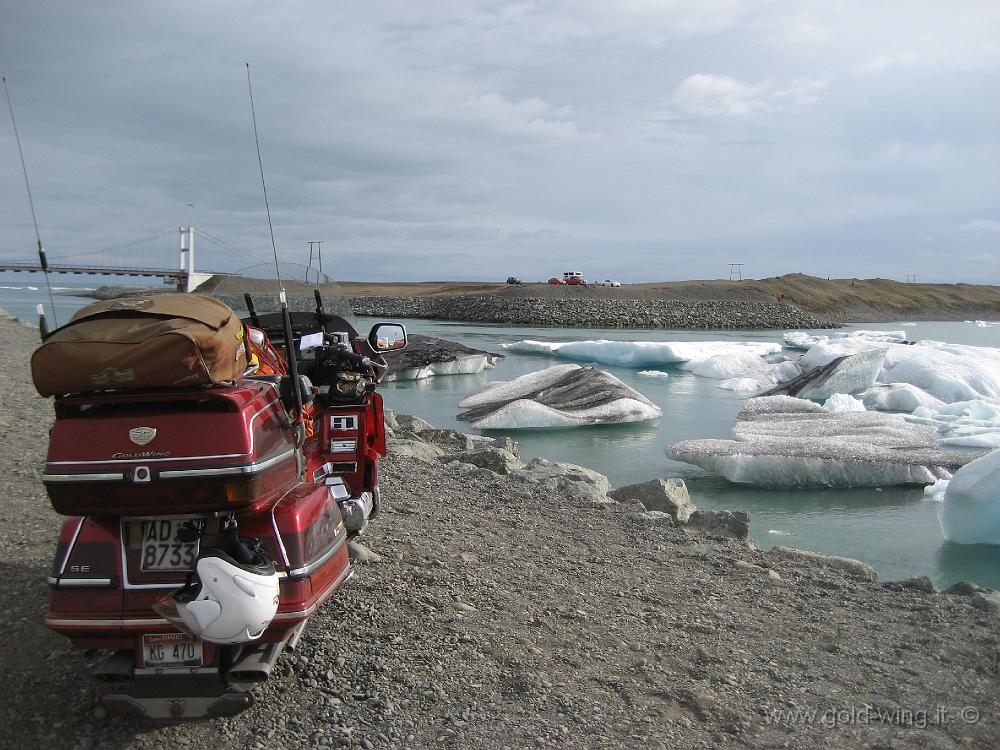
(31,203)
(286,318)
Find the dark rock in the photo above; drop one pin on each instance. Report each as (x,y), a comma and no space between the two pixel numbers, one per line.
(667,495)
(729,523)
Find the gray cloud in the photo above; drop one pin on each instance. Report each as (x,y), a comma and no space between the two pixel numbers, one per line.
(639,140)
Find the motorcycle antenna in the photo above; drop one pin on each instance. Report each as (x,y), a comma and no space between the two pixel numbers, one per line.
(38,237)
(286,319)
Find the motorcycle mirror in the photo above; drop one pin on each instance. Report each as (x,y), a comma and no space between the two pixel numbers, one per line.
(387,337)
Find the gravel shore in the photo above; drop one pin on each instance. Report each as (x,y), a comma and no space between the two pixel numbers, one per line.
(502,612)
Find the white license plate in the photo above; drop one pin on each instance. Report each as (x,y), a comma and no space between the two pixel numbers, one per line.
(162,550)
(171,650)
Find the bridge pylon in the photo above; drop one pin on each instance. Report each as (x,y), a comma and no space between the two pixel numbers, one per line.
(191,279)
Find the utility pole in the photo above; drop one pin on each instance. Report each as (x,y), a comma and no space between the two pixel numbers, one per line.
(736,272)
(315,246)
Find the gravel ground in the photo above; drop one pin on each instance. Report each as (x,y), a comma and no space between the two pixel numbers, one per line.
(501,614)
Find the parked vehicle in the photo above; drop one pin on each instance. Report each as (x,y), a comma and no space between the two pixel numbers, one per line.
(513,280)
(208,514)
(555,280)
(608,282)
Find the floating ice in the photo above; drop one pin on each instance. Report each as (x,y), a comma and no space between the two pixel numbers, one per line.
(972,424)
(850,373)
(643,353)
(898,397)
(560,396)
(841,402)
(652,374)
(787,442)
(935,492)
(803,340)
(472,364)
(949,372)
(970,511)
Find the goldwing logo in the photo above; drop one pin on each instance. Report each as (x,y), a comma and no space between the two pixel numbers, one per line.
(142,435)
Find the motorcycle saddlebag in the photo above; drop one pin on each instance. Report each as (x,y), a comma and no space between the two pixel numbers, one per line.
(158,341)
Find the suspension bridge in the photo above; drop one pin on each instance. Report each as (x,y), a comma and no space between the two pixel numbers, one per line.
(150,250)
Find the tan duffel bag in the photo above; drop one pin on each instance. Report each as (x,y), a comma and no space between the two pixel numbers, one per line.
(162,340)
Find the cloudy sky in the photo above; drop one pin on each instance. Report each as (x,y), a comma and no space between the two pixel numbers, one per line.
(635,139)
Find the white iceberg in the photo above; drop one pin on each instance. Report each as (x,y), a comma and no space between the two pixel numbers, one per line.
(643,354)
(762,378)
(842,402)
(970,511)
(652,374)
(469,365)
(803,340)
(560,396)
(898,397)
(785,442)
(971,424)
(850,373)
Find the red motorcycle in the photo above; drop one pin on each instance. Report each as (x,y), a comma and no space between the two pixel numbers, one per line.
(209,517)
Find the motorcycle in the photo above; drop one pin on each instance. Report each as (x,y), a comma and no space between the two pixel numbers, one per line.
(207,523)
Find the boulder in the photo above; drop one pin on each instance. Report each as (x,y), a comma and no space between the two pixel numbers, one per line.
(666,495)
(541,470)
(409,423)
(415,448)
(450,441)
(496,442)
(853,568)
(493,459)
(728,523)
(988,601)
(963,588)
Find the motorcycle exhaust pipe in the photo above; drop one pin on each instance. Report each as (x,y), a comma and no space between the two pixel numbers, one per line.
(254,665)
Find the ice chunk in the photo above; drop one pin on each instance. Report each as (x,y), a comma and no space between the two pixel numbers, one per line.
(725,365)
(935,492)
(851,373)
(469,365)
(803,340)
(764,377)
(782,441)
(642,354)
(898,397)
(974,424)
(949,372)
(652,374)
(970,512)
(561,396)
(841,402)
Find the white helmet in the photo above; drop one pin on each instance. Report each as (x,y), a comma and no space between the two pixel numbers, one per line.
(226,601)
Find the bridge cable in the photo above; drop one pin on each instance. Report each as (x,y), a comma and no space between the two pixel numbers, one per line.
(31,203)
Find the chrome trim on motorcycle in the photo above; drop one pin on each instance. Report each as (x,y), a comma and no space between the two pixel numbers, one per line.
(339,539)
(356,511)
(343,578)
(50,622)
(253,468)
(110,477)
(72,544)
(178,458)
(58,582)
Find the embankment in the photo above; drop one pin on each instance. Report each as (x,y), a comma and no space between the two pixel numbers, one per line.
(595,313)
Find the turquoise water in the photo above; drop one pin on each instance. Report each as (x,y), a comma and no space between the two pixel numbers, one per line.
(894,529)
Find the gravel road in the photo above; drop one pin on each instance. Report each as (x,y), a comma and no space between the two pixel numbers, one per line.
(503,615)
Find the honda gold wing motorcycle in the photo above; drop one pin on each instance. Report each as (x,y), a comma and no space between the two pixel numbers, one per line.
(211,469)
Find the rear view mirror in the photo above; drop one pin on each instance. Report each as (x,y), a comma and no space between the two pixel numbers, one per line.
(387,337)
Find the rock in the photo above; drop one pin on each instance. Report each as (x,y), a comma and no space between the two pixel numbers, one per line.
(963,588)
(451,441)
(667,495)
(539,470)
(854,568)
(921,583)
(416,449)
(360,554)
(728,523)
(656,518)
(988,601)
(493,459)
(410,423)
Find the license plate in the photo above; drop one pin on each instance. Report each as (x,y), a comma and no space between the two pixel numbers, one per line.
(162,549)
(171,650)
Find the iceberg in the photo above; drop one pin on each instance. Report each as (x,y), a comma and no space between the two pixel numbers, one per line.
(898,397)
(841,402)
(761,378)
(972,424)
(426,356)
(786,442)
(652,374)
(970,510)
(643,354)
(561,396)
(803,340)
(948,372)
(851,373)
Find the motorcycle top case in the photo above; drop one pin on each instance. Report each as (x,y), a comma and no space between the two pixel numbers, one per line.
(156,341)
